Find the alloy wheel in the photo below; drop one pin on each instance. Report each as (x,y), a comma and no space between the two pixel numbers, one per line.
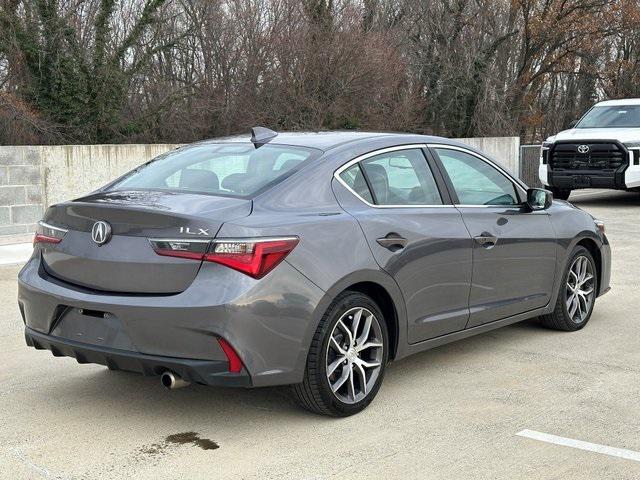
(580,289)
(354,355)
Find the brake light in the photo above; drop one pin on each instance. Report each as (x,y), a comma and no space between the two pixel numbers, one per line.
(256,257)
(46,233)
(252,256)
(191,249)
(235,364)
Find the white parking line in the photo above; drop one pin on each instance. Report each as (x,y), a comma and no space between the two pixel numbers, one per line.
(37,468)
(580,445)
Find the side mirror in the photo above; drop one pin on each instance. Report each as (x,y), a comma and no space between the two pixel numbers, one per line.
(573,123)
(539,199)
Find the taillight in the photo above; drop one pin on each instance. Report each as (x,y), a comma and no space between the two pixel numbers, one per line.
(46,233)
(253,256)
(192,249)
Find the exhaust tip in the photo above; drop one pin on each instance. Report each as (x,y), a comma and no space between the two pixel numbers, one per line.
(171,381)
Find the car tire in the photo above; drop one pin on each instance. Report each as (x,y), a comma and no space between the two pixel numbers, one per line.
(561,193)
(573,309)
(335,347)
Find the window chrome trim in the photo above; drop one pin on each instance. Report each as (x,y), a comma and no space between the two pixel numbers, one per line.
(52,227)
(382,151)
(511,178)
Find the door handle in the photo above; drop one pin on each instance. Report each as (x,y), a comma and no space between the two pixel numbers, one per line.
(392,241)
(486,240)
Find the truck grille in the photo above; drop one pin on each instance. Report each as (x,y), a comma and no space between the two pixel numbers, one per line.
(587,156)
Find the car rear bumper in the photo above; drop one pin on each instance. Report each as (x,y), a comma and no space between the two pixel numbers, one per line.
(268,322)
(206,372)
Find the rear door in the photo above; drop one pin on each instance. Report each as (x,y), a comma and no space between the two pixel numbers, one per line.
(514,252)
(415,234)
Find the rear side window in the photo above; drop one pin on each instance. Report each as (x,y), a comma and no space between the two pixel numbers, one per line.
(234,170)
(354,178)
(401,178)
(396,178)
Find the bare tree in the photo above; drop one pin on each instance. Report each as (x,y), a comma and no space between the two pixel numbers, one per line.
(179,70)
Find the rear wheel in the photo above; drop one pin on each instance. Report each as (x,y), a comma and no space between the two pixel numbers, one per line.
(577,294)
(347,358)
(561,193)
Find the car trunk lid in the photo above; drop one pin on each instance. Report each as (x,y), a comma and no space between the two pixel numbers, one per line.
(127,263)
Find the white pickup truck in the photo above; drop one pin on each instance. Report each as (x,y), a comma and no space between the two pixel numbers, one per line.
(601,150)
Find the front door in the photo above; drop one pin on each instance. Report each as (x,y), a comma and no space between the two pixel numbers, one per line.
(514,252)
(415,234)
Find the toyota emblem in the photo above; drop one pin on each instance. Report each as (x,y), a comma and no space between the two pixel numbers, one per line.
(101,232)
(583,149)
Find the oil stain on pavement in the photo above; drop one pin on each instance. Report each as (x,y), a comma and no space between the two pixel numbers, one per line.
(193,438)
(184,438)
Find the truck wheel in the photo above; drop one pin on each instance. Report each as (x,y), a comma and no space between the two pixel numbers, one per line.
(561,193)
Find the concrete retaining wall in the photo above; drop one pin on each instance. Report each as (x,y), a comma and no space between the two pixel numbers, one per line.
(32,178)
(505,150)
(70,171)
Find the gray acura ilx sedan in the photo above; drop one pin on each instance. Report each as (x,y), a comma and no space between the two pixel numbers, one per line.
(306,259)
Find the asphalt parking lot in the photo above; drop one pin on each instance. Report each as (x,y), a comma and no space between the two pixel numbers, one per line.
(452,412)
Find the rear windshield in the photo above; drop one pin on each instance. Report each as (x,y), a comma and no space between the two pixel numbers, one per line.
(611,117)
(238,170)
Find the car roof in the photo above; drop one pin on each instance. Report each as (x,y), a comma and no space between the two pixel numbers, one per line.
(327,140)
(619,102)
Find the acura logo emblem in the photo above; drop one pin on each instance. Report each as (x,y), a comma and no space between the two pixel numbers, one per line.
(583,149)
(101,232)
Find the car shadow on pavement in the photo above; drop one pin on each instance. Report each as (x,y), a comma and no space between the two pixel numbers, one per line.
(611,199)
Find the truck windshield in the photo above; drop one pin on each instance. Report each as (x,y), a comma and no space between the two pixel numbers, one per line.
(238,170)
(611,117)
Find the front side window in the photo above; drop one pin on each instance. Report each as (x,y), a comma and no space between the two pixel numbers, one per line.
(475,181)
(400,177)
(218,169)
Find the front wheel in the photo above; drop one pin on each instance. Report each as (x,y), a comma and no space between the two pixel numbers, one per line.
(347,359)
(561,193)
(577,293)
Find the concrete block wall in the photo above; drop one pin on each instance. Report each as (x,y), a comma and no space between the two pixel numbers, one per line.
(21,192)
